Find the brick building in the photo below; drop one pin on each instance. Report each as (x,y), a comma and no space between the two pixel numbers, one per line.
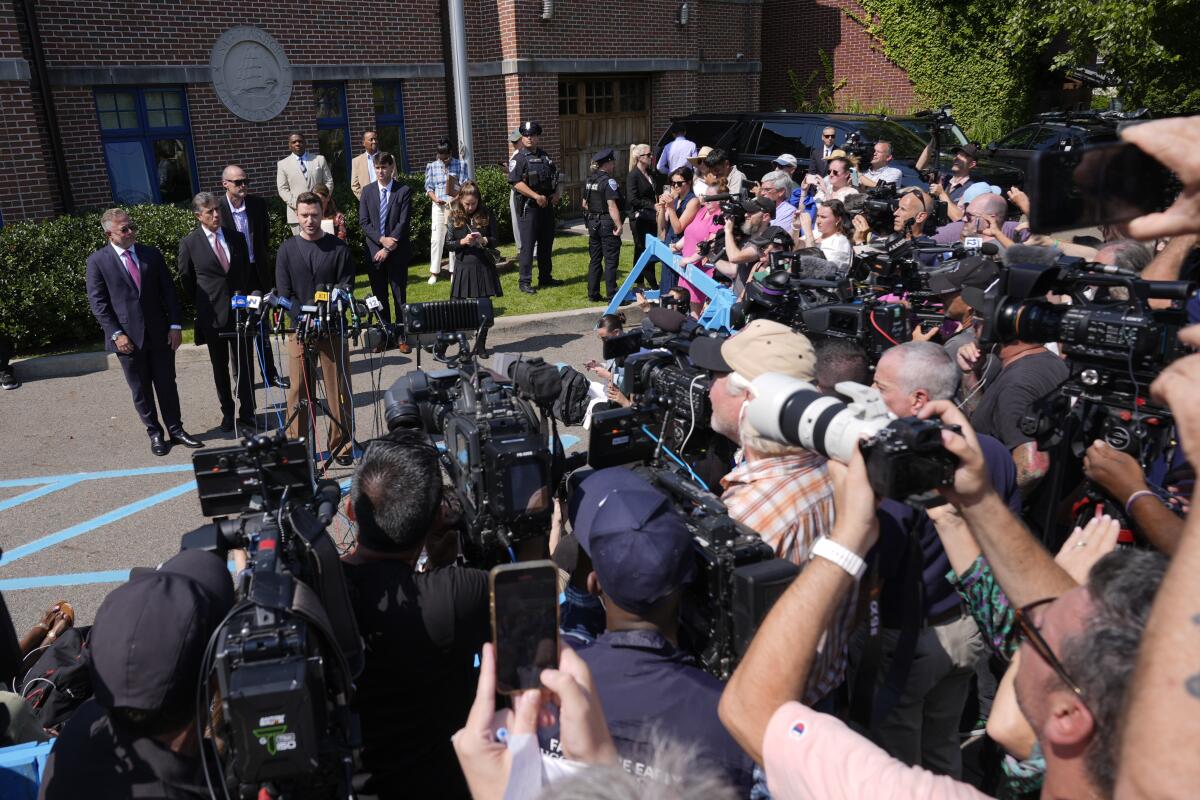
(120,102)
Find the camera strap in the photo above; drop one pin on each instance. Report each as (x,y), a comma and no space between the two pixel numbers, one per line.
(870,700)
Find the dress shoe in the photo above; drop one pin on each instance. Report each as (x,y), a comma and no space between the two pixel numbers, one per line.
(527,289)
(432,280)
(595,298)
(158,445)
(182,437)
(280,382)
(246,427)
(547,282)
(404,347)
(227,422)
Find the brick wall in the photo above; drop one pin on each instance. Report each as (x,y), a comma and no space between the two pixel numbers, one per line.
(798,31)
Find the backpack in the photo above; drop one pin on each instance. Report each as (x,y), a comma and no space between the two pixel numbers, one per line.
(60,680)
(571,405)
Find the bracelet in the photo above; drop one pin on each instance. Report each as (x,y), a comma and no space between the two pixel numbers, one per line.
(1140,493)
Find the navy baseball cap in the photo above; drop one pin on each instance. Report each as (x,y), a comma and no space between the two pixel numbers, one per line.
(640,548)
(606,154)
(150,634)
(530,128)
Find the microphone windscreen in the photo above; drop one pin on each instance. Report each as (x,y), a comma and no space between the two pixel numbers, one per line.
(1030,255)
(666,319)
(989,249)
(813,267)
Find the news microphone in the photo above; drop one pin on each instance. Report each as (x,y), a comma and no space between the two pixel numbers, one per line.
(321,300)
(254,301)
(239,301)
(1030,255)
(814,267)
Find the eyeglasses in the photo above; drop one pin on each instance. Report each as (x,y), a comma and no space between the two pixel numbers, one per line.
(1025,624)
(238,182)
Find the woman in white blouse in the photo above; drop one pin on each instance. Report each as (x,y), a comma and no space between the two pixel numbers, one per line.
(830,232)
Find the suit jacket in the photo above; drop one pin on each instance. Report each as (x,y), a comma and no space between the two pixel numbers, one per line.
(117,305)
(639,195)
(398,208)
(360,175)
(263,269)
(292,183)
(818,159)
(208,284)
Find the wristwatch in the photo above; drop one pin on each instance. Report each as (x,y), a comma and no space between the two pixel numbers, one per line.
(844,557)
(116,335)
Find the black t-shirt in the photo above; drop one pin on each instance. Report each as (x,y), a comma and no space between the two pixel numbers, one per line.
(422,632)
(1009,397)
(93,758)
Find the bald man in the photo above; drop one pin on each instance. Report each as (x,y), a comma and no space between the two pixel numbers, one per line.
(984,218)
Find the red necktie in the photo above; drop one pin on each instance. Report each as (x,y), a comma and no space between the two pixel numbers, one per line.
(224,259)
(133,270)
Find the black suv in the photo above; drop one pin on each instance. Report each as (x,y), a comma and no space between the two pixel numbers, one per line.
(1053,131)
(754,140)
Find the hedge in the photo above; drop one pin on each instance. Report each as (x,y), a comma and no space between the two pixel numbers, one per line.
(43,264)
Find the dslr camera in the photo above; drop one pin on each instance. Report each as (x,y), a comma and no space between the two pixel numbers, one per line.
(286,656)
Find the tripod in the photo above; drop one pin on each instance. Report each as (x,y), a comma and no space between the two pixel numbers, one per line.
(308,401)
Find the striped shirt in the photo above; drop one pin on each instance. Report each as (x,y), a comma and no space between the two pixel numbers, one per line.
(788,501)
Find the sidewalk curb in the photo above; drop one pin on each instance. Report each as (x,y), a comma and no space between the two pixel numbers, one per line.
(75,364)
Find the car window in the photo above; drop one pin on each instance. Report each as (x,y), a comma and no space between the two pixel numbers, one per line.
(783,137)
(709,132)
(905,144)
(1018,139)
(1049,137)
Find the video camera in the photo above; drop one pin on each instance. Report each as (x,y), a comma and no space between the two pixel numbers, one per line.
(1116,344)
(502,450)
(670,405)
(861,150)
(286,656)
(738,577)
(905,458)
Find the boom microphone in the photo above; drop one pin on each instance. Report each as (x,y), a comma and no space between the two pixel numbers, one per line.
(1029,255)
(814,267)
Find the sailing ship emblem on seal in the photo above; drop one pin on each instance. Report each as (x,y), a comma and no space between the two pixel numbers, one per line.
(250,73)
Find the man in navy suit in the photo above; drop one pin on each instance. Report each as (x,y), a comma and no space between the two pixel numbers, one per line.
(132,297)
(247,214)
(383,213)
(214,265)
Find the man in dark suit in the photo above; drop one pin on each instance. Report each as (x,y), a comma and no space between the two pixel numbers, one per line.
(214,265)
(822,153)
(132,297)
(383,212)
(247,214)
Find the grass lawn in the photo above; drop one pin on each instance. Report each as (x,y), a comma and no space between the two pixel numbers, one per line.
(570,265)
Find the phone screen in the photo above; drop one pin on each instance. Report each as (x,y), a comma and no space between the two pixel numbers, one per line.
(1095,185)
(524,623)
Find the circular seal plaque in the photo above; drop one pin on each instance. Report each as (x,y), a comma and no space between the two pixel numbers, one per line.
(251,73)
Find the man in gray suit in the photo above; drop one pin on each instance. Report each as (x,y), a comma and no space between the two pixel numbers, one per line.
(299,173)
(383,213)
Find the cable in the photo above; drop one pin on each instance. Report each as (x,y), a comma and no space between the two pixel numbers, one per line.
(875,325)
(692,413)
(677,460)
(982,381)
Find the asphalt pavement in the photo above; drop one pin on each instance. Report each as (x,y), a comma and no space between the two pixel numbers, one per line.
(83,500)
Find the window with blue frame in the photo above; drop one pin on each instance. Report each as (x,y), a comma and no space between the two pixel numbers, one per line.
(333,128)
(147,141)
(389,120)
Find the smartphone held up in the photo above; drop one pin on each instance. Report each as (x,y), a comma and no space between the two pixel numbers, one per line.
(524,600)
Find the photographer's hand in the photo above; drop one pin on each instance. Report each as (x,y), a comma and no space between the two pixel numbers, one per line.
(856,525)
(1087,545)
(971,479)
(1117,473)
(1173,143)
(862,229)
(1019,199)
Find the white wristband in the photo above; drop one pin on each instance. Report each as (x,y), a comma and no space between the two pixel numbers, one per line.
(844,557)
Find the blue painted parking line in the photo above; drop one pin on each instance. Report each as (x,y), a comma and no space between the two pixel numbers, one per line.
(67,579)
(96,476)
(41,491)
(84,527)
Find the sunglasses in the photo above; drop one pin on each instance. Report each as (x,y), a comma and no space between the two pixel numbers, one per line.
(828,135)
(835,172)
(130,228)
(1030,633)
(238,182)
(679,183)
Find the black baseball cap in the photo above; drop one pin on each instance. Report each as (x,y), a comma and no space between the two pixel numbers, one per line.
(150,634)
(773,235)
(970,150)
(755,204)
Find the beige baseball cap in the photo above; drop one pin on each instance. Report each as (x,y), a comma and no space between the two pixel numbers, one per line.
(762,346)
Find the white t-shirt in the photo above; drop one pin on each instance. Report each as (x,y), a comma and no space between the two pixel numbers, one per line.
(837,250)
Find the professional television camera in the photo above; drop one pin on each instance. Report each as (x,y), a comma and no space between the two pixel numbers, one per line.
(286,655)
(670,407)
(905,457)
(502,450)
(1115,347)
(738,578)
(855,146)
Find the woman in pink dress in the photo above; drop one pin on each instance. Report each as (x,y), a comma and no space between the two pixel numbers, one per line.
(702,227)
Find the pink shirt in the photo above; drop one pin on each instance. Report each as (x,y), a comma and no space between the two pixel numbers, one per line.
(812,755)
(699,229)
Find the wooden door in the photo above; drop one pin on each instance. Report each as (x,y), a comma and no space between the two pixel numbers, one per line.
(595,112)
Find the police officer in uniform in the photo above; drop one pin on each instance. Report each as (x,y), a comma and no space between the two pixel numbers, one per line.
(535,180)
(602,203)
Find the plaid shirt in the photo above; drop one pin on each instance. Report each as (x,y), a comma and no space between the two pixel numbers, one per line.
(788,500)
(436,174)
